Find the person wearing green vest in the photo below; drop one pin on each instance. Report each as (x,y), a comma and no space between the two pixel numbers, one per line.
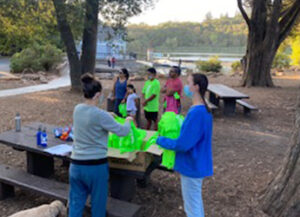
(151,94)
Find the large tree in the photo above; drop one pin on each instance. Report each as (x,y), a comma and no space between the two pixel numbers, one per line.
(270,23)
(282,197)
(115,12)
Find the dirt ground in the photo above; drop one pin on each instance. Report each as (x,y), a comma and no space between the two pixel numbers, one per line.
(248,151)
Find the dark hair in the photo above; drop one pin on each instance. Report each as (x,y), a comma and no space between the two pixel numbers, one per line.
(90,85)
(131,87)
(126,73)
(202,82)
(177,70)
(152,70)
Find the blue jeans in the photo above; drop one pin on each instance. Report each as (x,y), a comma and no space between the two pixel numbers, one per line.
(192,196)
(88,180)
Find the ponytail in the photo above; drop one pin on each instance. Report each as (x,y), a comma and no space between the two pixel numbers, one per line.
(202,82)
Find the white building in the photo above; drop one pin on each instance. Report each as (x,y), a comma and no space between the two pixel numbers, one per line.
(110,43)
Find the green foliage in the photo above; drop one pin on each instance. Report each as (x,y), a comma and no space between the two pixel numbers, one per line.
(236,66)
(27,22)
(116,12)
(36,58)
(296,51)
(212,33)
(212,65)
(281,61)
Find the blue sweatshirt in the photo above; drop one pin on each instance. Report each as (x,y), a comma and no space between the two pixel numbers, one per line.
(193,146)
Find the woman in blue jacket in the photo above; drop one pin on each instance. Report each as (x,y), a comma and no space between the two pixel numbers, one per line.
(193,146)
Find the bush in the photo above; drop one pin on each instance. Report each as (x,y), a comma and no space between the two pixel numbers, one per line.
(281,61)
(212,65)
(37,58)
(296,51)
(236,66)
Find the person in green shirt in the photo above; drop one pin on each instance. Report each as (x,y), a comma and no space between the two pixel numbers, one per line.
(151,92)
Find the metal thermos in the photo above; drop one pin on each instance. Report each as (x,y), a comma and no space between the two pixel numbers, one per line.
(18,122)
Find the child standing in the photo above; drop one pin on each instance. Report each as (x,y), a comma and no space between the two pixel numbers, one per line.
(131,102)
(151,91)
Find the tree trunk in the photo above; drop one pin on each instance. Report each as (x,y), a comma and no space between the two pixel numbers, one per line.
(68,39)
(258,66)
(89,42)
(282,197)
(260,49)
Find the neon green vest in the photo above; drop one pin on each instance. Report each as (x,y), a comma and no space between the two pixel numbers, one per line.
(169,126)
(132,142)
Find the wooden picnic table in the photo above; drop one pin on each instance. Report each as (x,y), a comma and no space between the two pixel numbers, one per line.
(219,92)
(41,163)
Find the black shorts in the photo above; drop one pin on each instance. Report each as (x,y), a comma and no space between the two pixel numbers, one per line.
(151,115)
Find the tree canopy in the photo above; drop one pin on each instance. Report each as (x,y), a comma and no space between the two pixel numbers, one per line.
(219,32)
(24,22)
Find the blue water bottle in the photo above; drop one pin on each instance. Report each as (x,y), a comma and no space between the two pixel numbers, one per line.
(44,138)
(39,136)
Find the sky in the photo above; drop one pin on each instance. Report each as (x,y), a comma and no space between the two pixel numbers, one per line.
(185,10)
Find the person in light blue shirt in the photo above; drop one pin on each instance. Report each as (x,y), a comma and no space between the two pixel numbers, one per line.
(193,146)
(89,171)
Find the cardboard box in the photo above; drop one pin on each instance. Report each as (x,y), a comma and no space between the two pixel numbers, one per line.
(134,161)
(140,163)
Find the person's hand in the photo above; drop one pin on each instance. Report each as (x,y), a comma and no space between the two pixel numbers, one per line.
(169,92)
(129,119)
(113,114)
(144,103)
(123,101)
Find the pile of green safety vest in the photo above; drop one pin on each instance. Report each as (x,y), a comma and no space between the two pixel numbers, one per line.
(132,142)
(169,126)
(123,109)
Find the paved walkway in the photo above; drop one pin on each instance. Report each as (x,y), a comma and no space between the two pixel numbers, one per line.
(63,81)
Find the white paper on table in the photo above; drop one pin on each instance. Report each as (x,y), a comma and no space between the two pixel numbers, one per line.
(62,150)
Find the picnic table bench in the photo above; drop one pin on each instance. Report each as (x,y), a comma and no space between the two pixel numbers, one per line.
(219,92)
(41,163)
(11,177)
(247,107)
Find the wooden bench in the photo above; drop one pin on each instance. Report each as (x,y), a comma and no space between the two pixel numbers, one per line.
(11,177)
(212,106)
(247,107)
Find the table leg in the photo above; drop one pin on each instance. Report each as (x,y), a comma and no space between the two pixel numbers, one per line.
(39,165)
(229,106)
(214,99)
(145,180)
(6,191)
(122,187)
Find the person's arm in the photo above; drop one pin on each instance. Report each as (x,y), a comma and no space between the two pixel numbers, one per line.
(136,101)
(150,98)
(114,87)
(164,88)
(108,123)
(189,136)
(170,92)
(125,98)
